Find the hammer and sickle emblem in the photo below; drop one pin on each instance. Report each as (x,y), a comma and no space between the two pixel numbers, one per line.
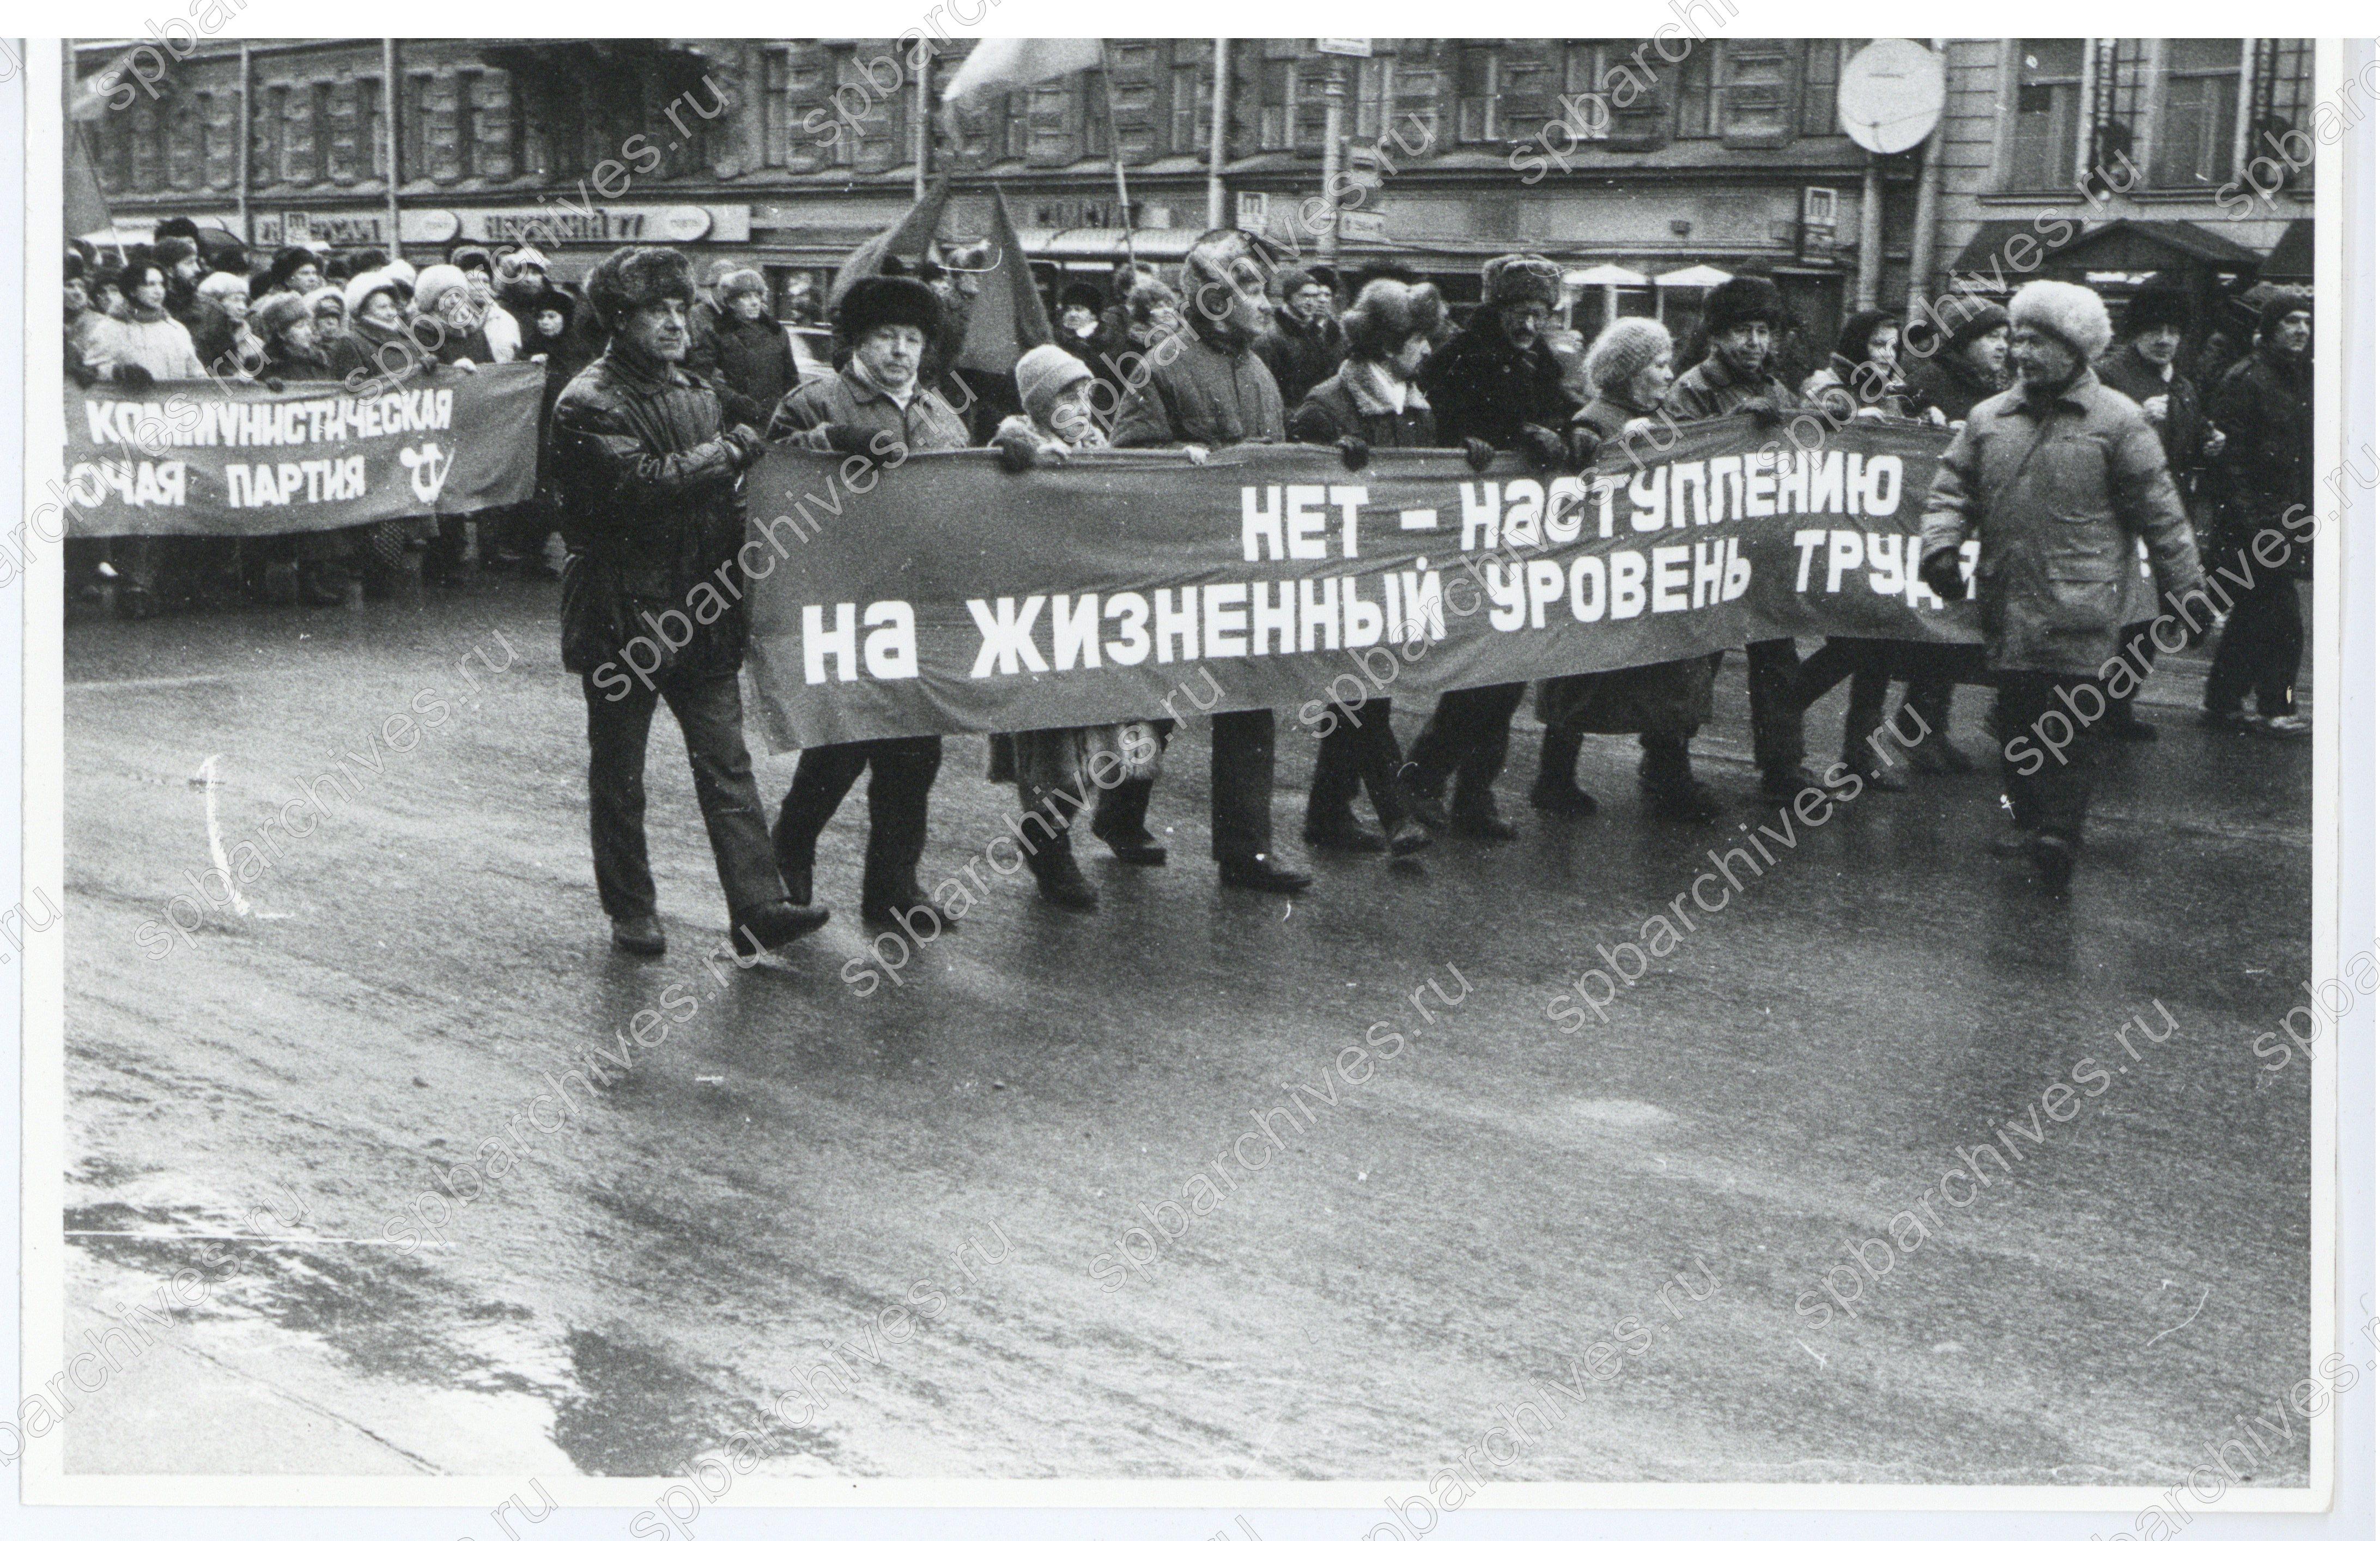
(429,464)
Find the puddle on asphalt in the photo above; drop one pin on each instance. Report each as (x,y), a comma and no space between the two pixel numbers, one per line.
(613,1408)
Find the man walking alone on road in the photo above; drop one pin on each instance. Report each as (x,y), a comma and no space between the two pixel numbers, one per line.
(655,506)
(2057,478)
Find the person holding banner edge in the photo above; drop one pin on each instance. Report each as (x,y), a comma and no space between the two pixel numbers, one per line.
(875,403)
(1213,390)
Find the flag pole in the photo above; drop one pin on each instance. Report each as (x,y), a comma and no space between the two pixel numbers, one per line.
(1115,154)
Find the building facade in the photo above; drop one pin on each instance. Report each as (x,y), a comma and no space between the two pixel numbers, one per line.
(1636,159)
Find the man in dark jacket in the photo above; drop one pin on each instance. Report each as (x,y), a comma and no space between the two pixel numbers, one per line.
(1304,344)
(876,402)
(655,508)
(1741,316)
(2057,480)
(747,355)
(1496,387)
(2265,408)
(1371,401)
(1206,386)
(2141,367)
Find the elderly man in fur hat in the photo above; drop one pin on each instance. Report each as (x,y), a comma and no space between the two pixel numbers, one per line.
(1373,400)
(1741,319)
(655,482)
(1206,386)
(2141,366)
(871,407)
(2058,479)
(1496,387)
(2265,405)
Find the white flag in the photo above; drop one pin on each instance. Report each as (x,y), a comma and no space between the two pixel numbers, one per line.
(999,65)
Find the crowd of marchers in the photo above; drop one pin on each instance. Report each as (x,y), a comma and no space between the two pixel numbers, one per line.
(2073,447)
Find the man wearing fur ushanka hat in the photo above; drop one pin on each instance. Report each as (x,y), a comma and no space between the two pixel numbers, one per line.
(1496,387)
(874,405)
(656,512)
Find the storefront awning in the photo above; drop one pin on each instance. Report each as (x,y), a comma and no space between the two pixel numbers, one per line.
(2013,251)
(1107,245)
(1605,275)
(2292,258)
(1702,275)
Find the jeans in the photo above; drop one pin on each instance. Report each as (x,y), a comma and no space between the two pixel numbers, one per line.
(709,712)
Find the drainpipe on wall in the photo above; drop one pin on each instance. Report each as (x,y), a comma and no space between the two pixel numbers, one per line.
(1929,214)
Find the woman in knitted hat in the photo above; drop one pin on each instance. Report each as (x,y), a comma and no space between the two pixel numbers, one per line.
(223,338)
(1862,379)
(448,320)
(1373,400)
(1663,704)
(1056,769)
(744,350)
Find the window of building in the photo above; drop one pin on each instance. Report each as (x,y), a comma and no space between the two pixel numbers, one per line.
(468,118)
(371,128)
(1476,91)
(2278,84)
(2048,110)
(1277,104)
(2120,79)
(1822,71)
(776,106)
(2197,112)
(1371,83)
(1097,135)
(181,143)
(1189,87)
(413,119)
(1698,97)
(271,155)
(321,125)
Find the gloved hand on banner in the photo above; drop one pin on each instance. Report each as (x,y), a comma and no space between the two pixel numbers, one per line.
(1543,448)
(849,439)
(1941,572)
(129,373)
(1354,451)
(745,444)
(1479,452)
(1764,412)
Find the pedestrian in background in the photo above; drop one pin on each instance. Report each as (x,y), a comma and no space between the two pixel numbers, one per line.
(2141,366)
(1303,344)
(748,355)
(2265,408)
(2058,479)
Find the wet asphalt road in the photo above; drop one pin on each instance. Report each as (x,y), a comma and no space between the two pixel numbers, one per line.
(646,1272)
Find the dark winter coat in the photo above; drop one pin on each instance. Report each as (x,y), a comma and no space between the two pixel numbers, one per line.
(1671,701)
(1301,354)
(283,366)
(927,423)
(2057,491)
(366,354)
(2184,432)
(1346,405)
(1484,388)
(1951,384)
(1202,392)
(752,362)
(1712,389)
(2265,407)
(653,507)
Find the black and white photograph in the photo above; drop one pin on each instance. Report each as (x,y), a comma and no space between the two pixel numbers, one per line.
(1389,775)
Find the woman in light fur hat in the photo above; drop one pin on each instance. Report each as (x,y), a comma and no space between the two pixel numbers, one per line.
(1055,768)
(1664,704)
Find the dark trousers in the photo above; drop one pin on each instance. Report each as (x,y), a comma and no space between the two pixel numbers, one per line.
(1466,738)
(2134,640)
(2053,798)
(901,773)
(709,712)
(1361,751)
(1240,787)
(2261,647)
(1774,667)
